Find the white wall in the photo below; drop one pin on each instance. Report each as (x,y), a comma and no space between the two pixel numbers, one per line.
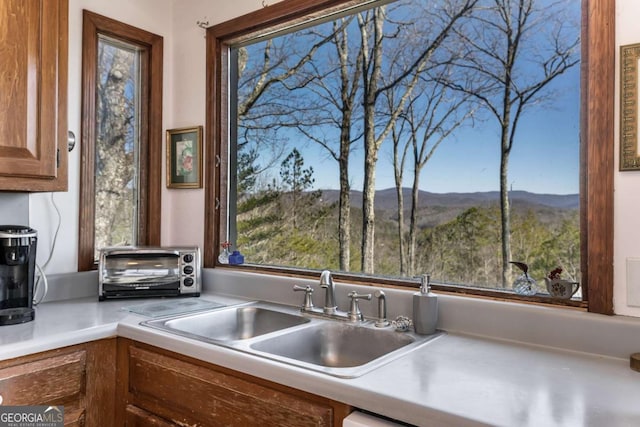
(151,15)
(627,184)
(185,207)
(183,210)
(14,208)
(184,105)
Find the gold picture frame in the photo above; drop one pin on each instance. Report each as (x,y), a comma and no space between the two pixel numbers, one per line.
(629,63)
(184,157)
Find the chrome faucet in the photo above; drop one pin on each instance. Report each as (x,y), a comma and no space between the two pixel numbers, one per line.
(326,281)
(330,308)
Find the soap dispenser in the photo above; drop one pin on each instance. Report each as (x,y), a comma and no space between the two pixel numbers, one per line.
(425,308)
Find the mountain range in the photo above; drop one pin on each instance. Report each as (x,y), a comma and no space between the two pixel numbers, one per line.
(387,200)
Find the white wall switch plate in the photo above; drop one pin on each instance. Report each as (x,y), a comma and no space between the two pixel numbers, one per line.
(633,282)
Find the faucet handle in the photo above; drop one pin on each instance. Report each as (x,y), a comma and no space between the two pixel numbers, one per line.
(356,296)
(308,291)
(354,313)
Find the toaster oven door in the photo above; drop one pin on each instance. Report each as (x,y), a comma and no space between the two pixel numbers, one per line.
(140,274)
(136,270)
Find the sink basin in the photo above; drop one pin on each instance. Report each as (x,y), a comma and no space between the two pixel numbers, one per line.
(335,345)
(230,324)
(276,332)
(340,349)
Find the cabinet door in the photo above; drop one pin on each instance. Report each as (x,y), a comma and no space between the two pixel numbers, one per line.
(81,378)
(188,392)
(55,380)
(33,86)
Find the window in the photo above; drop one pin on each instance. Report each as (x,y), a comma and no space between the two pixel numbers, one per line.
(290,136)
(121,137)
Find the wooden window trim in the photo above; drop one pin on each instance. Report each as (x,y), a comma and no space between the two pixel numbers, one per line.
(150,134)
(596,156)
(596,129)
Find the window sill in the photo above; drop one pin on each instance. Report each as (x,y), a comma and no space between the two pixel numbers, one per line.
(388,282)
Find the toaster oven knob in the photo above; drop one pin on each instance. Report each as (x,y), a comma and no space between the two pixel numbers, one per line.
(188,281)
(188,258)
(188,269)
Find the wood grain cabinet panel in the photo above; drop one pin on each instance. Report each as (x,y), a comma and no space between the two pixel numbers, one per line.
(185,391)
(136,417)
(53,380)
(33,90)
(81,378)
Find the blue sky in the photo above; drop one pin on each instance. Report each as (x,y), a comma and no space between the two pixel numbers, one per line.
(545,157)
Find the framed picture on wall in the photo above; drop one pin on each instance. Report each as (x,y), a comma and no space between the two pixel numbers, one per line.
(184,157)
(629,107)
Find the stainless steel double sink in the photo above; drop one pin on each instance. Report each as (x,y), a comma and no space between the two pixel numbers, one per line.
(282,333)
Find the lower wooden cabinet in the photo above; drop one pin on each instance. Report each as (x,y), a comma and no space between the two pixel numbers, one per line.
(160,388)
(80,378)
(119,382)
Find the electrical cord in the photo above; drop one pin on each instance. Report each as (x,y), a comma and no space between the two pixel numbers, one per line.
(45,286)
(42,277)
(55,235)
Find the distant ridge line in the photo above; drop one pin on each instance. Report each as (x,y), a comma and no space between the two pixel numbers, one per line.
(386,199)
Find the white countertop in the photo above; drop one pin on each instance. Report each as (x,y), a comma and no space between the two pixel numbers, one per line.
(454,380)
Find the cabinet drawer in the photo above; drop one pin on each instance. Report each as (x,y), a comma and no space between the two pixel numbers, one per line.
(191,394)
(53,380)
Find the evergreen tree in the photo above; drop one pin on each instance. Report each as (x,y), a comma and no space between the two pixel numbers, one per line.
(296,179)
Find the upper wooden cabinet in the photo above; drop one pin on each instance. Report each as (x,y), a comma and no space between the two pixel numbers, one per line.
(33,94)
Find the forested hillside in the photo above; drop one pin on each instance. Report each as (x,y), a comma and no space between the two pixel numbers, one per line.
(458,238)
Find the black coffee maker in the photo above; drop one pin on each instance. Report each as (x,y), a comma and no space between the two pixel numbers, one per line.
(17,271)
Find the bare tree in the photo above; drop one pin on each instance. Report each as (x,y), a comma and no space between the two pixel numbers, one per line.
(430,125)
(431,116)
(115,167)
(383,71)
(337,89)
(515,48)
(400,150)
(267,81)
(271,78)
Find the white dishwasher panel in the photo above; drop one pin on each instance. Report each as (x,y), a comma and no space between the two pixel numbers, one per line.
(360,419)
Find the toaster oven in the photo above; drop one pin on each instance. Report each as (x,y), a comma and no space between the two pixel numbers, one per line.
(138,271)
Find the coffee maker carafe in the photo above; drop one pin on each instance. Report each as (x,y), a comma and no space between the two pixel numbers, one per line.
(17,271)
